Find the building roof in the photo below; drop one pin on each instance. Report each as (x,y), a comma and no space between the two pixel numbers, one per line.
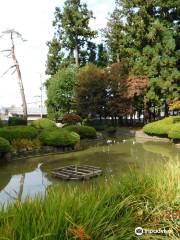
(31,111)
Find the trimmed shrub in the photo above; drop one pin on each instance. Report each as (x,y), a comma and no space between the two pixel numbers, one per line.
(18,132)
(83,131)
(111,130)
(157,128)
(100,127)
(164,127)
(43,123)
(4,145)
(161,127)
(97,125)
(171,120)
(59,137)
(1,123)
(174,132)
(71,118)
(15,121)
(27,144)
(176,119)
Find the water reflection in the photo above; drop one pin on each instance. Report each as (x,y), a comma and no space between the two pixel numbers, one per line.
(24,185)
(115,156)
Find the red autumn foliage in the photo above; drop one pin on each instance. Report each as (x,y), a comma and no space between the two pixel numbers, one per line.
(109,92)
(123,90)
(71,118)
(79,233)
(135,86)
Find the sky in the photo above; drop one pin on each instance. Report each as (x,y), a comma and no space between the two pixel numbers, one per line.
(33,19)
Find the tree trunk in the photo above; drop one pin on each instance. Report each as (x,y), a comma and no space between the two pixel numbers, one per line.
(77,55)
(24,104)
(159,114)
(166,109)
(118,60)
(120,121)
(139,116)
(146,112)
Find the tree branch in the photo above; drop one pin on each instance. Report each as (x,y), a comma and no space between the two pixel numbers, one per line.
(9,55)
(13,71)
(8,70)
(6,50)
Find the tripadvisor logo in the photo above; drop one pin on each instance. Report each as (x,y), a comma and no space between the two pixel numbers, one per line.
(138,231)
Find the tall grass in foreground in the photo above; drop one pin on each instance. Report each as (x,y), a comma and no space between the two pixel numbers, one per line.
(111,211)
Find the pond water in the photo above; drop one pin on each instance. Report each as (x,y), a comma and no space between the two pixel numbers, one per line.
(29,177)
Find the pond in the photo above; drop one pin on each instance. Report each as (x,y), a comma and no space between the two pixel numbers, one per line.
(29,177)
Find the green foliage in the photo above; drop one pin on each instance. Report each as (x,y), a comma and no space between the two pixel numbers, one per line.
(14,121)
(43,123)
(111,130)
(1,123)
(26,144)
(55,57)
(165,127)
(71,118)
(88,54)
(91,91)
(59,138)
(98,127)
(72,25)
(148,42)
(157,128)
(171,120)
(108,92)
(18,132)
(109,210)
(60,92)
(83,131)
(115,37)
(91,53)
(102,56)
(4,145)
(174,105)
(174,132)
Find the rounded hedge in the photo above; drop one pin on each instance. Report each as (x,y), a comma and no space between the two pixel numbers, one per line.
(43,123)
(174,132)
(157,128)
(4,145)
(15,121)
(111,130)
(166,127)
(59,137)
(83,131)
(18,132)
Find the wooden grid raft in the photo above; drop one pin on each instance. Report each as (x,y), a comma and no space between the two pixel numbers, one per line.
(76,172)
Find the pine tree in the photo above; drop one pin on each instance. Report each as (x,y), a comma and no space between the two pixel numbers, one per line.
(102,56)
(151,49)
(114,36)
(55,57)
(91,51)
(72,24)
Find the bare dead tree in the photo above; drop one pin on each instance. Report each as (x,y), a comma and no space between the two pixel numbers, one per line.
(21,186)
(15,66)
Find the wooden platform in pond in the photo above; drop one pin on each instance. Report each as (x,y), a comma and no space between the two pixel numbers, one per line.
(76,172)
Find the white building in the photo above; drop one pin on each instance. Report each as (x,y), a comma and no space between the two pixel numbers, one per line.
(33,113)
